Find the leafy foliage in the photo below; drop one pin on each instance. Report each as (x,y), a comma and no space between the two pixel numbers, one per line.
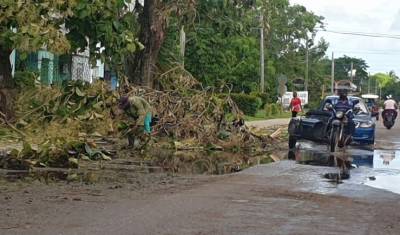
(107,27)
(343,67)
(51,154)
(223,44)
(30,25)
(247,103)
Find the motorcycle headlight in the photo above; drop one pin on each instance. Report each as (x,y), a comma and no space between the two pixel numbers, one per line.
(368,124)
(339,115)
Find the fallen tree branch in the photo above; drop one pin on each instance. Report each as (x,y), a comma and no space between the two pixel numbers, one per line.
(11,125)
(276,134)
(275,158)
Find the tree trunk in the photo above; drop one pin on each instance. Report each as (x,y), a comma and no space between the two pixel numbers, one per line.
(142,67)
(6,83)
(5,68)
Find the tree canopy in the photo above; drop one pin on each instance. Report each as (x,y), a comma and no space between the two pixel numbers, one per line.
(343,67)
(30,25)
(106,27)
(223,43)
(222,40)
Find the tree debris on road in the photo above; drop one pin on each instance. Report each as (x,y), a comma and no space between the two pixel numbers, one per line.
(60,126)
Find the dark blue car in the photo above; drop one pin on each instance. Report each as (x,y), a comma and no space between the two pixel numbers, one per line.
(365,123)
(315,125)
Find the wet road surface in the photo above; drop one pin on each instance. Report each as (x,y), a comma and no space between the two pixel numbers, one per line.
(378,167)
(269,123)
(279,198)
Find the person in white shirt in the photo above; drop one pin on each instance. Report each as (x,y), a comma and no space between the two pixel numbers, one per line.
(390,105)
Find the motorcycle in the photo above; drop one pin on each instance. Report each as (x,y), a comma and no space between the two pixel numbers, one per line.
(389,117)
(338,136)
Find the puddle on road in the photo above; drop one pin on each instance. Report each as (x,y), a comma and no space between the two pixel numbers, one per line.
(155,161)
(386,164)
(379,169)
(386,182)
(386,159)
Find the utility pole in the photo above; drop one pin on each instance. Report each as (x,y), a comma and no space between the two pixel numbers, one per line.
(333,74)
(262,59)
(369,83)
(182,45)
(307,65)
(351,72)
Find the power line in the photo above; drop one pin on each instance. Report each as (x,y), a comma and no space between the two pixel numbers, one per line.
(364,50)
(368,53)
(362,34)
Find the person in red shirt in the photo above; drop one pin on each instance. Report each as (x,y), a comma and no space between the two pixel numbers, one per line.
(295,105)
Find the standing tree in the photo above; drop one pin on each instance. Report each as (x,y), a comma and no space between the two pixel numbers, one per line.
(153,19)
(223,43)
(107,28)
(343,67)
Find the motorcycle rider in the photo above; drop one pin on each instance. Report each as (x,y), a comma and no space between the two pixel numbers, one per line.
(344,104)
(390,105)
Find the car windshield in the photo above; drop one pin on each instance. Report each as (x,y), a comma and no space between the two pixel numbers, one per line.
(363,109)
(370,102)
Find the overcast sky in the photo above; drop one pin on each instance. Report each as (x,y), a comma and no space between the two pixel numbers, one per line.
(371,16)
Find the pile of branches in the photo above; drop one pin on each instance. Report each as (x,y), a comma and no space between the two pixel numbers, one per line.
(186,115)
(51,118)
(74,110)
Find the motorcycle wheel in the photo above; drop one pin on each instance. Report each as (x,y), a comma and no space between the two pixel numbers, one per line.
(333,140)
(388,125)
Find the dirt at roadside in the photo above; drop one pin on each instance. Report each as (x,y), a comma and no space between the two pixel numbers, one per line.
(24,201)
(269,200)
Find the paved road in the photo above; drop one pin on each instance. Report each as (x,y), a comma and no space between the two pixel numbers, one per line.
(280,198)
(268,123)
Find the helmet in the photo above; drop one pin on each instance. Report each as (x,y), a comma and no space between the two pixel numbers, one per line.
(342,92)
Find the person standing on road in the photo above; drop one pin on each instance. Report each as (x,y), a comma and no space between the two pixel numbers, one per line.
(295,105)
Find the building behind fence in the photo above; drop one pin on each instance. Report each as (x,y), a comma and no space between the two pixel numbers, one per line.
(54,69)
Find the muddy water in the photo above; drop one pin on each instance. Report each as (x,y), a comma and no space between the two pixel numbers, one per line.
(156,161)
(376,168)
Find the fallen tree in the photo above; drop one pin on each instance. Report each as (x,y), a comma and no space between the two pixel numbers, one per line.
(60,125)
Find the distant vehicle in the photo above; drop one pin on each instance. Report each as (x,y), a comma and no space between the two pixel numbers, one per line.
(316,125)
(371,101)
(389,119)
